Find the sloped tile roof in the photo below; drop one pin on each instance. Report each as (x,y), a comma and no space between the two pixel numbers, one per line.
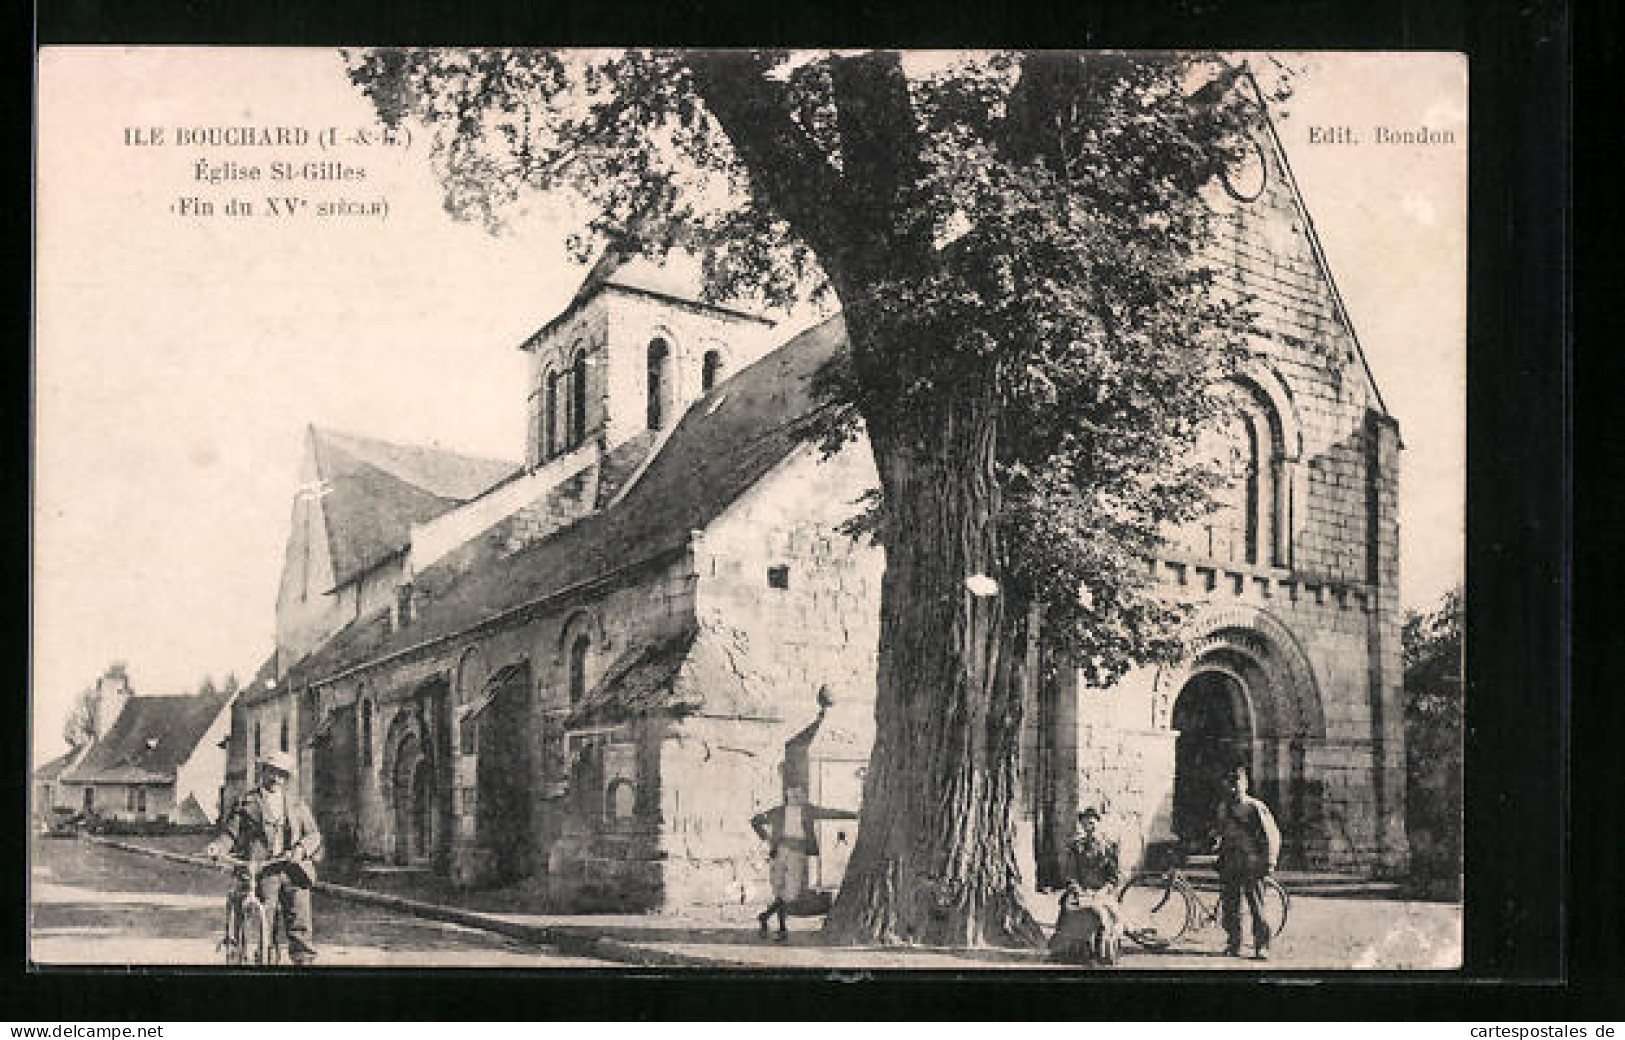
(446,474)
(150,739)
(640,681)
(727,441)
(376,491)
(55,767)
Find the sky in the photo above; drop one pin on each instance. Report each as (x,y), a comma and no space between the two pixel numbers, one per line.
(179,359)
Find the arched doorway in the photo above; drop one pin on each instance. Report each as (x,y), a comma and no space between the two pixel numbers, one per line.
(422,812)
(413,801)
(1214,724)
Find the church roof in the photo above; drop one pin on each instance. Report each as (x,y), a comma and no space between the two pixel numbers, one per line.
(374,491)
(728,440)
(676,277)
(150,739)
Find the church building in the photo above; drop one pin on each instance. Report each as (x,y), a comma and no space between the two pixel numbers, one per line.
(586,672)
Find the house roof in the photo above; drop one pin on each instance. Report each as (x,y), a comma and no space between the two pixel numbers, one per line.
(150,739)
(721,447)
(55,767)
(374,491)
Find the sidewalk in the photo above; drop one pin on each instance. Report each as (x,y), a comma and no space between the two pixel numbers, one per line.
(1335,932)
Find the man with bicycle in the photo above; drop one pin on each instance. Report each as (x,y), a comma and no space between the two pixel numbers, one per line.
(1249,844)
(268,822)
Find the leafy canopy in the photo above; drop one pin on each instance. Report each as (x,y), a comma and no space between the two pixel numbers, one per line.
(1030,230)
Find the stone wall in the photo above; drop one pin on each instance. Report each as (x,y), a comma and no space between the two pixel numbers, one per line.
(615,327)
(785,603)
(1320,632)
(620,618)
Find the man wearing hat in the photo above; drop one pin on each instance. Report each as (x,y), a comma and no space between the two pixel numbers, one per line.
(271,821)
(789,829)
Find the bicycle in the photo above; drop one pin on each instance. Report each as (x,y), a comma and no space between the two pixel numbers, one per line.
(1159,907)
(254,935)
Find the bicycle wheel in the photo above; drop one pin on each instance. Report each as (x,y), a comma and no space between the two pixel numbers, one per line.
(234,932)
(253,938)
(1276,906)
(1155,911)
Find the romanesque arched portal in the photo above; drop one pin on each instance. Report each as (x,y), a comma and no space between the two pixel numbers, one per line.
(1245,695)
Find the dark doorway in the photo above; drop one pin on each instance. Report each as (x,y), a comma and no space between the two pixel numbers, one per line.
(504,776)
(414,788)
(422,810)
(1215,734)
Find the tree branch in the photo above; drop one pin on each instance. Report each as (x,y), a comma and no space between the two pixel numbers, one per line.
(796,180)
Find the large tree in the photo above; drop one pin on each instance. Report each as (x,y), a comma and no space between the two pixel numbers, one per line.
(1016,242)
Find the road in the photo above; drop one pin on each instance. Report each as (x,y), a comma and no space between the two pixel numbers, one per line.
(95,905)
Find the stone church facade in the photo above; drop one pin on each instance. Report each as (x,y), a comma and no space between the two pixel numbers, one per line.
(580,674)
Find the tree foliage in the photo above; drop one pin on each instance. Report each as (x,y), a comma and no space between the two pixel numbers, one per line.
(1431,643)
(1018,245)
(84,722)
(1031,222)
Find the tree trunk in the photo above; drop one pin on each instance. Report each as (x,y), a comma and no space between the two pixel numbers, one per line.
(935,859)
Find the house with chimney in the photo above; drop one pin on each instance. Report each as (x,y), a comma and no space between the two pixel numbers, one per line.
(161,761)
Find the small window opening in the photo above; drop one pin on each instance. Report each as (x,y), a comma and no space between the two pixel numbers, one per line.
(656,407)
(578,668)
(778,577)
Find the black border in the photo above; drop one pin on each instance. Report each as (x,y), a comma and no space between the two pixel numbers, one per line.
(1519,486)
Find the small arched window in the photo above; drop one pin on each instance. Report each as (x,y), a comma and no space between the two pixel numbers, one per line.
(550,417)
(578,668)
(578,399)
(710,370)
(366,733)
(282,739)
(659,365)
(256,740)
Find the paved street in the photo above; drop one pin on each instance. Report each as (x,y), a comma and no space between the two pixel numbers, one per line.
(95,905)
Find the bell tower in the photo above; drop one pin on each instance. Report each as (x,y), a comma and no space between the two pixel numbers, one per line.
(632,351)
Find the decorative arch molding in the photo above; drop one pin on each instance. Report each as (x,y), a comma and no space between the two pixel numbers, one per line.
(407,732)
(1228,634)
(674,343)
(1261,377)
(469,674)
(581,620)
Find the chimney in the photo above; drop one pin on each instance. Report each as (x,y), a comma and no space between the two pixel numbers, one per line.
(112,692)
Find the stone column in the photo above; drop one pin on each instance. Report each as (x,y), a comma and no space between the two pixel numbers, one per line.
(1058,776)
(1386,665)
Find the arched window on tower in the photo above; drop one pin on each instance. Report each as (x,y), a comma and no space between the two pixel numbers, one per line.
(366,733)
(710,370)
(550,416)
(659,367)
(578,399)
(578,668)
